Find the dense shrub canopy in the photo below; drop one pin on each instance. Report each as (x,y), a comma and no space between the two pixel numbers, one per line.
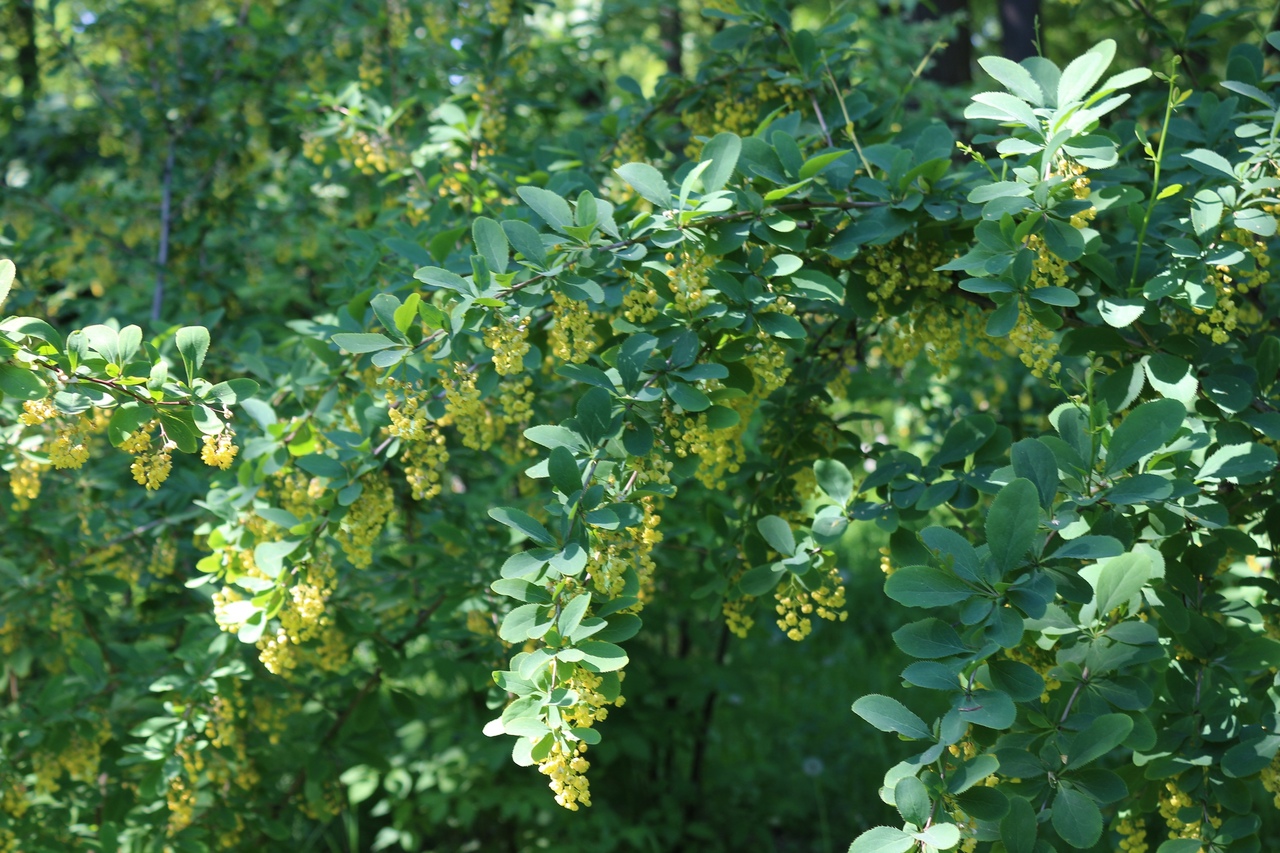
(409,408)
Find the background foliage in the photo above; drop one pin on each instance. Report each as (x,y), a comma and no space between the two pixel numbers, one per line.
(708,320)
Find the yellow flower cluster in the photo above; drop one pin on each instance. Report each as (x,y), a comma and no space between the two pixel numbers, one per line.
(794,609)
(640,303)
(371,60)
(1172,801)
(941,332)
(1047,269)
(1133,834)
(886,562)
(629,148)
(796,604)
(70,447)
(13,796)
(276,653)
(1075,172)
(1230,311)
(515,397)
(499,12)
(1270,774)
(476,425)
(565,766)
(591,706)
(572,336)
(164,557)
(688,281)
(735,615)
(218,450)
(737,112)
(36,412)
(905,266)
(24,482)
(139,440)
(152,469)
(613,552)
(493,119)
(79,760)
(509,341)
(409,420)
(370,155)
(1035,345)
(365,519)
(424,464)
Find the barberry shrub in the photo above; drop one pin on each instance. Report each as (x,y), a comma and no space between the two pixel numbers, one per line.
(490,451)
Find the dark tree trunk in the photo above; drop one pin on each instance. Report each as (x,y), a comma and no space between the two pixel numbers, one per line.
(671,36)
(28,58)
(951,64)
(1018,24)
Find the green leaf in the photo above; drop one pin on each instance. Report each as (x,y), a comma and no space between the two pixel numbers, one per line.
(193,345)
(648,182)
(517,624)
(883,839)
(572,613)
(889,715)
(1034,461)
(1076,818)
(818,162)
(1003,319)
(269,556)
(761,579)
(1235,461)
(1144,430)
(20,383)
(1181,845)
(723,151)
(940,836)
(1084,72)
(7,273)
(687,397)
(491,243)
(1171,377)
(525,239)
(632,355)
(362,342)
(522,523)
(779,325)
(1018,828)
(553,209)
(963,439)
(777,532)
(1101,736)
(834,479)
(1013,77)
(1012,522)
(1119,579)
(595,415)
(1021,682)
(602,657)
(1249,757)
(921,586)
(563,468)
(911,799)
(1119,313)
(929,639)
(1060,296)
(990,709)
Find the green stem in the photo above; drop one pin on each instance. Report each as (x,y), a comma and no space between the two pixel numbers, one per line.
(1155,186)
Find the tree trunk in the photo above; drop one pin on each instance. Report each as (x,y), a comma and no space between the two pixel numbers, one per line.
(28,57)
(951,64)
(671,36)
(1018,24)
